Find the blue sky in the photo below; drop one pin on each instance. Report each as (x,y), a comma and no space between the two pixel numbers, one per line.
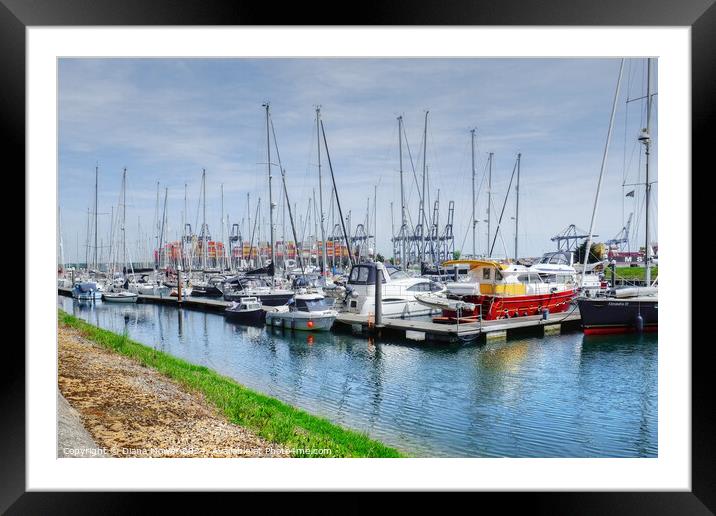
(166,119)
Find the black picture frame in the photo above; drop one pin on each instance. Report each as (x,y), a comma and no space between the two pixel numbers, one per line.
(700,15)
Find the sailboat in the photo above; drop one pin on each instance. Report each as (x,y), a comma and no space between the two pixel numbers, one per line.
(308,308)
(252,284)
(122,295)
(628,309)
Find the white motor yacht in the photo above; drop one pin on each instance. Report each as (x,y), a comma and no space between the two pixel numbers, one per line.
(306,311)
(398,291)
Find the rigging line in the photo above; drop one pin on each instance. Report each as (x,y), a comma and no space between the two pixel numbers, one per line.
(253,231)
(198,204)
(412,164)
(301,190)
(477,196)
(467,230)
(504,247)
(338,203)
(285,191)
(504,204)
(626,124)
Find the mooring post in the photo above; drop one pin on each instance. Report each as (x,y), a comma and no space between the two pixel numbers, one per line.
(179,282)
(378,297)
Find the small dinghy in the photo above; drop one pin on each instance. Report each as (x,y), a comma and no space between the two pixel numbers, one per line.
(309,312)
(246,311)
(120,297)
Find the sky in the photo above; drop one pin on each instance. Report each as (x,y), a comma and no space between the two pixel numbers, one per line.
(167,119)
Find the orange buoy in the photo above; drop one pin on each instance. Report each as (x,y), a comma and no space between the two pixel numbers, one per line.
(310,324)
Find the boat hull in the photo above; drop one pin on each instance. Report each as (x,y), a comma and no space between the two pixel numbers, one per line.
(391,308)
(119,299)
(206,292)
(87,296)
(90,296)
(252,317)
(290,322)
(604,316)
(264,299)
(493,307)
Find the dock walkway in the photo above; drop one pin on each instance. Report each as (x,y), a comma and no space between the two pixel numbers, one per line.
(427,330)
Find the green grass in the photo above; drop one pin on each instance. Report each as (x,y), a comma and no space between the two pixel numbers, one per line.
(267,417)
(634,273)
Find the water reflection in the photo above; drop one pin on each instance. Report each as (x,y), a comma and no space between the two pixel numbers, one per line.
(559,396)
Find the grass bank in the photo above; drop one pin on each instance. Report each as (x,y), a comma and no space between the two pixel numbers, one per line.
(634,273)
(268,417)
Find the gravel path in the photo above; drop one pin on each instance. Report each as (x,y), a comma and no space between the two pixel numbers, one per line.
(130,410)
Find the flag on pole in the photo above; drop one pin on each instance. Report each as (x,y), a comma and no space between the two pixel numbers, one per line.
(630,194)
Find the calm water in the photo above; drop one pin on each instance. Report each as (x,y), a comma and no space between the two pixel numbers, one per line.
(559,396)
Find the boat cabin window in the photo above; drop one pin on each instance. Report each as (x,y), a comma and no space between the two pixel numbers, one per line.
(529,278)
(556,278)
(396,273)
(363,275)
(252,283)
(424,286)
(311,305)
(486,273)
(555,259)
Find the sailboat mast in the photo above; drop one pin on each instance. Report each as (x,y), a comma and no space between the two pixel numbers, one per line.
(222,226)
(375,221)
(315,224)
(161,232)
(320,192)
(517,205)
(271,206)
(248,224)
(96,181)
(183,225)
(87,241)
(489,200)
(156,229)
(588,245)
(227,245)
(403,218)
(203,220)
(647,145)
(59,228)
(424,219)
(474,222)
(124,220)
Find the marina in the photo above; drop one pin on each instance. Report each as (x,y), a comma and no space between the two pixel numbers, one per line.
(412,329)
(401,274)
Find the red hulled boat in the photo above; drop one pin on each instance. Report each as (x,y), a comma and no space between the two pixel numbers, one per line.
(496,290)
